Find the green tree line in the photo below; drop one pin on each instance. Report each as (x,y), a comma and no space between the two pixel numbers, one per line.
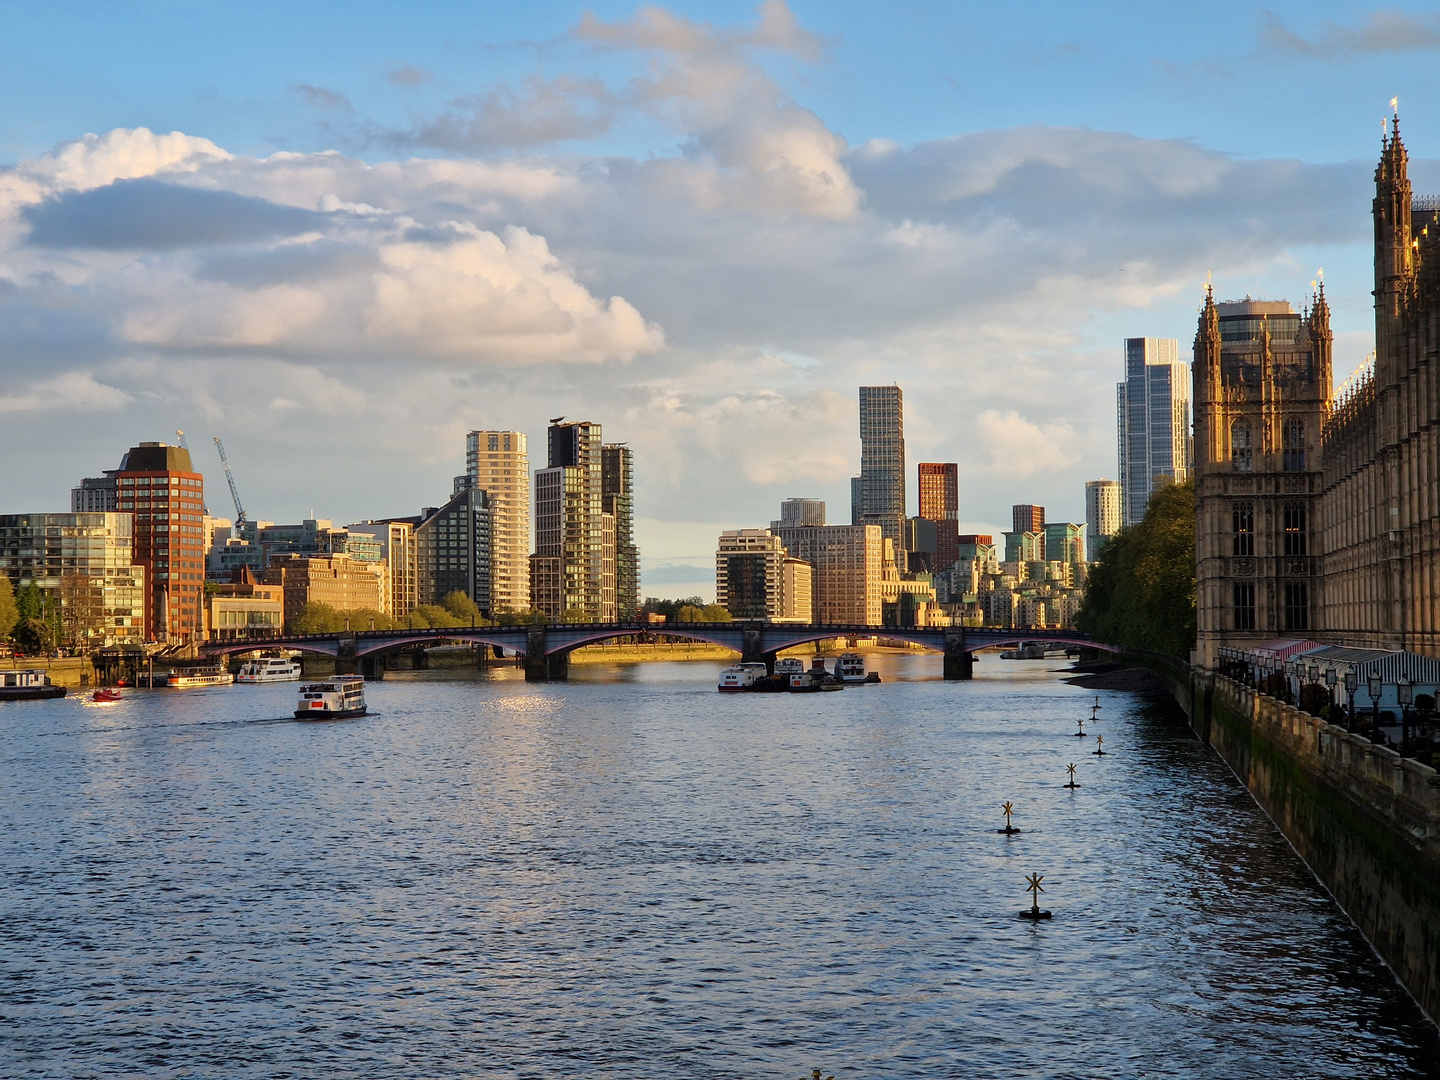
(1142,591)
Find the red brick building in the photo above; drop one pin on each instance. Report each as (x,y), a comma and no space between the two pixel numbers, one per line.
(159,486)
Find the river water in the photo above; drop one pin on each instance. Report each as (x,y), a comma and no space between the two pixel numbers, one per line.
(629,875)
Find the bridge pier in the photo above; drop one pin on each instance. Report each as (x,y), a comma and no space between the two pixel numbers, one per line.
(346,662)
(753,648)
(959,663)
(540,666)
(372,667)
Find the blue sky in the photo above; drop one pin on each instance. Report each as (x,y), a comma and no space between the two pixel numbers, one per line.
(701,224)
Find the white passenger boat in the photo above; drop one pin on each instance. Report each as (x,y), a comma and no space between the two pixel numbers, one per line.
(206,676)
(851,669)
(741,677)
(334,698)
(269,669)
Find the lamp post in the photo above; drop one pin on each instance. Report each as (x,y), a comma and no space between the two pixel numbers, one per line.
(1330,680)
(1373,684)
(1405,692)
(1352,683)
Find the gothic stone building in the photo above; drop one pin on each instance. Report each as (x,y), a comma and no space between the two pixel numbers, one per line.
(1315,517)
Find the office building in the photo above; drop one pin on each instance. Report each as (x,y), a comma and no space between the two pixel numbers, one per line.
(244,609)
(617,499)
(1064,542)
(756,579)
(920,541)
(395,545)
(93,592)
(498,463)
(158,485)
(1153,422)
(800,513)
(1102,514)
(846,570)
(96,494)
(939,484)
(797,591)
(881,484)
(338,581)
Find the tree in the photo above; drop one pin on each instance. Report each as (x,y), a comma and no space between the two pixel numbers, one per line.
(703,613)
(35,636)
(1141,593)
(317,618)
(437,617)
(576,615)
(461,607)
(9,610)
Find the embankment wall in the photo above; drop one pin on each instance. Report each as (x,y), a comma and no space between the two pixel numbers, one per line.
(1365,820)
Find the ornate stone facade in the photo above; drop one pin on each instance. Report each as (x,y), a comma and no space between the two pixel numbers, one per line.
(1325,513)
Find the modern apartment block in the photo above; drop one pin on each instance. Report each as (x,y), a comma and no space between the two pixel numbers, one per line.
(756,579)
(158,485)
(498,463)
(567,570)
(881,484)
(1153,422)
(846,570)
(1027,518)
(617,499)
(939,484)
(1024,547)
(93,590)
(1102,514)
(453,550)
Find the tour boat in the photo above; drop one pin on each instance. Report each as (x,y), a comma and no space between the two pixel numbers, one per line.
(335,698)
(269,669)
(206,676)
(817,678)
(851,669)
(106,694)
(28,684)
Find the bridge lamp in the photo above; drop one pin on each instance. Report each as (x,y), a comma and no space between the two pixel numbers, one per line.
(1405,691)
(1374,685)
(1352,682)
(1331,678)
(1314,672)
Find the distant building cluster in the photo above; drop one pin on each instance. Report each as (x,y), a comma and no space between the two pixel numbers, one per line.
(139,559)
(887,569)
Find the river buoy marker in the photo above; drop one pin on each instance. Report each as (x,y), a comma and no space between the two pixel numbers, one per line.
(1008,830)
(1081,733)
(1036,913)
(1099,750)
(1072,783)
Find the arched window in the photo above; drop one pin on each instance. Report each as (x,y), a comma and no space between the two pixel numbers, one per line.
(1293,446)
(1241,456)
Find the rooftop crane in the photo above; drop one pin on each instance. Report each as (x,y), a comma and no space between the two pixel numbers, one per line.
(181,436)
(234,492)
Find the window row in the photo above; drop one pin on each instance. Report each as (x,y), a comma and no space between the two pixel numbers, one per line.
(1294,521)
(1296,605)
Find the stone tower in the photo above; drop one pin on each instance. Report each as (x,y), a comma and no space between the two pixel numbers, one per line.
(1261,397)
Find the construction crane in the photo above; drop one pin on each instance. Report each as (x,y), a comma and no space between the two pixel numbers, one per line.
(234,492)
(181,436)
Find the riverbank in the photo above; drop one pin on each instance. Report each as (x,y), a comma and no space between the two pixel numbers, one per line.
(1365,820)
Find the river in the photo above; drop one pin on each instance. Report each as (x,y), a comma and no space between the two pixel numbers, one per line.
(629,875)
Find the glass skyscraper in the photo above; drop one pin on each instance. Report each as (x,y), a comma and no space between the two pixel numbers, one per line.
(881,484)
(1153,420)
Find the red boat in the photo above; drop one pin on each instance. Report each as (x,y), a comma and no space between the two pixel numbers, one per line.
(106,695)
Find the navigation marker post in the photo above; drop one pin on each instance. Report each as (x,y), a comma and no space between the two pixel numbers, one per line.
(1072,783)
(1035,889)
(1008,830)
(1099,750)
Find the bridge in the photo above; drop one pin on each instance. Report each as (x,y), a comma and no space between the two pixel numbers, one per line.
(547,648)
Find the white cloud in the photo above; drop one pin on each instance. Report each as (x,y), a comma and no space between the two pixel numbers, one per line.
(1019,448)
(71,392)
